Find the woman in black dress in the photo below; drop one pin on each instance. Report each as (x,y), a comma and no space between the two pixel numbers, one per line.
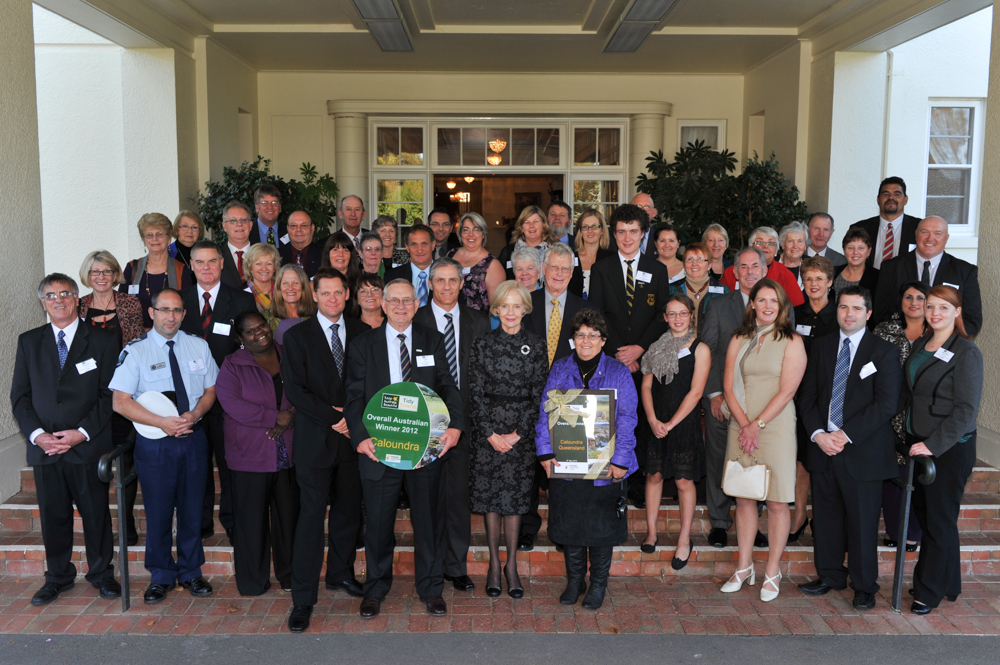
(507,371)
(675,370)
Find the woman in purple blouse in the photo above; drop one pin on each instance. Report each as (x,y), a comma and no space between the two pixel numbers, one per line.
(584,514)
(258,421)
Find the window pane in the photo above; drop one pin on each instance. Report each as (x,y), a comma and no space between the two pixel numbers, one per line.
(450,146)
(950,151)
(948,194)
(710,135)
(951,121)
(951,135)
(404,213)
(474,146)
(595,191)
(609,146)
(499,138)
(412,153)
(388,145)
(548,147)
(400,190)
(522,147)
(584,146)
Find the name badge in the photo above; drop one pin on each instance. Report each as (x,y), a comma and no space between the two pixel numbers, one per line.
(396,265)
(944,354)
(868,370)
(643,276)
(86,366)
(425,361)
(285,239)
(509,266)
(954,286)
(576,260)
(804,330)
(466,271)
(221,329)
(572,344)
(716,289)
(683,353)
(912,247)
(133,289)
(158,366)
(196,365)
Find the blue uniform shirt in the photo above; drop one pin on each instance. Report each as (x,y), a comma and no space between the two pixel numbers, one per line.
(144,366)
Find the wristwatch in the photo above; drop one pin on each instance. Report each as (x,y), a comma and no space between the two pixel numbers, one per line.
(760,423)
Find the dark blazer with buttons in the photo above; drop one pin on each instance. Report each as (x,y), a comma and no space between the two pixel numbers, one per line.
(278,242)
(313,257)
(44,396)
(869,405)
(576,281)
(943,400)
(368,373)
(723,315)
(314,386)
(951,271)
(405,272)
(645,324)
(472,324)
(230,271)
(908,231)
(229,304)
(538,324)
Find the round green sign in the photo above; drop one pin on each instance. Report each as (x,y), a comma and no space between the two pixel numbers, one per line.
(405,422)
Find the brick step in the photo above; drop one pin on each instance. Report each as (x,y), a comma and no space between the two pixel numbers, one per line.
(22,554)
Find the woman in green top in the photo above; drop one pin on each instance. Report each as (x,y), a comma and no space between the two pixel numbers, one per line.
(943,386)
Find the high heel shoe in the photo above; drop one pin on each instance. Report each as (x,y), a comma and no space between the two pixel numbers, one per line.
(515,592)
(794,536)
(493,591)
(678,564)
(649,549)
(735,583)
(766,594)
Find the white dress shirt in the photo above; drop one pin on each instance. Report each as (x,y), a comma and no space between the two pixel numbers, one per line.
(236,261)
(442,325)
(855,342)
(395,372)
(811,252)
(69,333)
(897,237)
(935,263)
(325,324)
(635,266)
(213,296)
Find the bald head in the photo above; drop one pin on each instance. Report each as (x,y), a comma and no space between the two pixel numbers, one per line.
(645,201)
(932,237)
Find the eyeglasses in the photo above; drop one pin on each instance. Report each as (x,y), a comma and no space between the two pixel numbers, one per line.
(560,270)
(268,204)
(590,227)
(582,337)
(471,230)
(646,208)
(695,259)
(187,227)
(155,236)
(170,310)
(364,293)
(105,273)
(400,301)
(761,243)
(240,220)
(678,315)
(62,295)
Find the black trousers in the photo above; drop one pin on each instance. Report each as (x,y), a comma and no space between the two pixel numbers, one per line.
(265,509)
(381,497)
(939,570)
(531,521)
(340,487)
(59,486)
(454,514)
(845,515)
(212,424)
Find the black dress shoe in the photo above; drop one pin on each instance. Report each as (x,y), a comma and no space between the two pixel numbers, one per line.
(794,536)
(815,588)
(351,586)
(207,532)
(231,537)
(49,592)
(298,620)
(132,539)
(461,582)
(370,607)
(156,593)
(435,605)
(919,608)
(863,600)
(198,587)
(888,542)
(678,564)
(526,542)
(718,537)
(108,588)
(760,540)
(646,548)
(912,547)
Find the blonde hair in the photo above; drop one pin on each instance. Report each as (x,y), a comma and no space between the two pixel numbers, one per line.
(501,294)
(155,220)
(193,216)
(605,235)
(105,257)
(306,306)
(528,211)
(259,250)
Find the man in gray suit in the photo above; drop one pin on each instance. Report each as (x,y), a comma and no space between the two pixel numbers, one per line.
(820,230)
(723,315)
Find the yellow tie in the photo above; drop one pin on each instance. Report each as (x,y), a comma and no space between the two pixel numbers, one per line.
(555,325)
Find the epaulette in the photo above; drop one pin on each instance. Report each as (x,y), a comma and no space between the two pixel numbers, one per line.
(124,353)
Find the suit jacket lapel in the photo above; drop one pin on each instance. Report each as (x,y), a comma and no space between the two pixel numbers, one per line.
(942,270)
(860,360)
(618,282)
(382,358)
(77,350)
(321,341)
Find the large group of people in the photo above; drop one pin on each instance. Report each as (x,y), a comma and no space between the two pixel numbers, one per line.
(257,356)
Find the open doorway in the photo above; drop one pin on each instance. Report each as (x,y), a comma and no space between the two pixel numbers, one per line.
(498,198)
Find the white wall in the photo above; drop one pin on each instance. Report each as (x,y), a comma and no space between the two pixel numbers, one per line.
(231,85)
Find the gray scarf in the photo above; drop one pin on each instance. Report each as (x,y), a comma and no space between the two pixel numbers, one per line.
(661,359)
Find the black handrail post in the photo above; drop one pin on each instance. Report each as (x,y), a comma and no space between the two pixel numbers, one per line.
(122,479)
(926,477)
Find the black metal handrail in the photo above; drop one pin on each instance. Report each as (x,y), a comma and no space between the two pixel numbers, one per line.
(928,472)
(122,478)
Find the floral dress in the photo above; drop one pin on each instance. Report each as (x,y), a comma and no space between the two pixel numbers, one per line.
(474,293)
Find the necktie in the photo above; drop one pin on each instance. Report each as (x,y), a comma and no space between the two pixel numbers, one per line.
(890,241)
(555,326)
(422,287)
(357,243)
(63,349)
(925,275)
(840,373)
(404,358)
(300,260)
(239,264)
(183,406)
(630,285)
(206,313)
(449,347)
(337,348)
(270,236)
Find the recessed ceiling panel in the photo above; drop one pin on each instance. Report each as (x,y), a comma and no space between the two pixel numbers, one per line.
(746,13)
(510,12)
(275,11)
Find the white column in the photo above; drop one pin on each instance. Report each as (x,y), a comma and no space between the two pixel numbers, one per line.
(351,144)
(646,135)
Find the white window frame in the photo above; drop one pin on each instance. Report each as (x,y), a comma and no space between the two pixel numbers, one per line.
(581,174)
(719,124)
(971,227)
(406,173)
(622,128)
(373,145)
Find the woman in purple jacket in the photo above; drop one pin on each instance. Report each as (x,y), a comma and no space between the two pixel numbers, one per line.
(589,515)
(258,424)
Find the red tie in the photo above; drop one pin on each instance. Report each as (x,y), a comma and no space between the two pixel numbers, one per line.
(889,242)
(206,313)
(239,264)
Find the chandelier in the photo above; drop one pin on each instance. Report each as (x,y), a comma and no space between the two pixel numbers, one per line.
(494,160)
(450,184)
(497,145)
(469,179)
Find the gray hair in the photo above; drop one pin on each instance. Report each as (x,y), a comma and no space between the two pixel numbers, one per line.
(718,228)
(445,262)
(558,248)
(56,278)
(759,253)
(762,231)
(404,282)
(384,220)
(788,229)
(821,214)
(479,222)
(526,254)
(368,236)
(340,205)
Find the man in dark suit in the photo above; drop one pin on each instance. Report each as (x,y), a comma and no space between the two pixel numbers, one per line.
(441,225)
(326,466)
(847,399)
(466,324)
(302,250)
(237,221)
(820,229)
(933,266)
(376,359)
(560,216)
(211,307)
(893,232)
(420,245)
(552,310)
(267,201)
(61,401)
(723,315)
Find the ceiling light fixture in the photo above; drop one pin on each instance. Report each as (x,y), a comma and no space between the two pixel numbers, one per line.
(494,160)
(385,24)
(450,184)
(469,179)
(635,24)
(497,145)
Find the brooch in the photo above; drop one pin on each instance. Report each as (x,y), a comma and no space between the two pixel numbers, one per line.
(525,349)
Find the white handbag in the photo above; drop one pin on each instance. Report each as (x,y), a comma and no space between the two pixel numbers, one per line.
(746,482)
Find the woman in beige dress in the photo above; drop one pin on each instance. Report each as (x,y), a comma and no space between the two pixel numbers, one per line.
(764,365)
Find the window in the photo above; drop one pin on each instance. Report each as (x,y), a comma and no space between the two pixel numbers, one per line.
(954,161)
(402,199)
(604,194)
(596,146)
(497,146)
(400,146)
(712,132)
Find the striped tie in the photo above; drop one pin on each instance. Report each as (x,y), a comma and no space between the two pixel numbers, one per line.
(449,347)
(630,285)
(890,242)
(422,287)
(840,373)
(555,325)
(404,358)
(206,314)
